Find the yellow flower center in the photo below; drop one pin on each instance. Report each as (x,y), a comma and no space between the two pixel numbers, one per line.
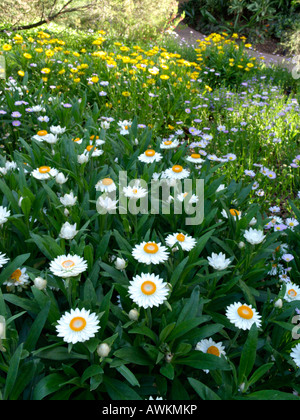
(89,148)
(168,142)
(77,139)
(151,248)
(213,350)
(180,237)
(150,153)
(16,275)
(107,181)
(148,287)
(234,212)
(68,264)
(177,169)
(195,156)
(42,133)
(292,293)
(44,169)
(77,324)
(245,312)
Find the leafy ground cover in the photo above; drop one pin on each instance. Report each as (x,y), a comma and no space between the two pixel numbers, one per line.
(100,303)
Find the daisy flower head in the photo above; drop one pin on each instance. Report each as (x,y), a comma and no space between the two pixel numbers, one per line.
(3,259)
(254,236)
(218,261)
(150,253)
(77,326)
(66,266)
(195,158)
(150,156)
(105,204)
(4,215)
(210,347)
(287,257)
(291,223)
(106,185)
(44,172)
(135,192)
(292,292)
(243,316)
(176,172)
(68,200)
(43,135)
(295,354)
(18,279)
(124,127)
(236,214)
(148,290)
(186,242)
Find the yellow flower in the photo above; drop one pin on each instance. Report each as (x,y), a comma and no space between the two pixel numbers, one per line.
(39,50)
(28,56)
(164,77)
(126,93)
(95,79)
(77,80)
(209,89)
(49,53)
(6,47)
(21,73)
(62,71)
(250,65)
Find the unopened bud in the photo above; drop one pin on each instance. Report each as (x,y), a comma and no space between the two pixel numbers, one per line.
(278,303)
(169,357)
(40,283)
(103,350)
(242,245)
(133,315)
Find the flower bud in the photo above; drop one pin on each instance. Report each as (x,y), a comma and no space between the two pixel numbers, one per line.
(242,245)
(278,303)
(40,283)
(60,178)
(133,315)
(169,357)
(120,263)
(103,350)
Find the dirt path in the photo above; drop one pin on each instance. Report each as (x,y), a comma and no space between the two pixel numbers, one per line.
(190,36)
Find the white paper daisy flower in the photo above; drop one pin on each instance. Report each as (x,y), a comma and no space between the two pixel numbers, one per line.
(236,214)
(169,144)
(68,266)
(195,158)
(292,292)
(254,236)
(135,192)
(176,172)
(218,261)
(150,156)
(295,354)
(148,290)
(150,253)
(243,316)
(106,185)
(3,259)
(186,242)
(77,326)
(210,347)
(44,172)
(18,279)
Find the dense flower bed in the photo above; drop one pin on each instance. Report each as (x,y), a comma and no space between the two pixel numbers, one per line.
(108,293)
